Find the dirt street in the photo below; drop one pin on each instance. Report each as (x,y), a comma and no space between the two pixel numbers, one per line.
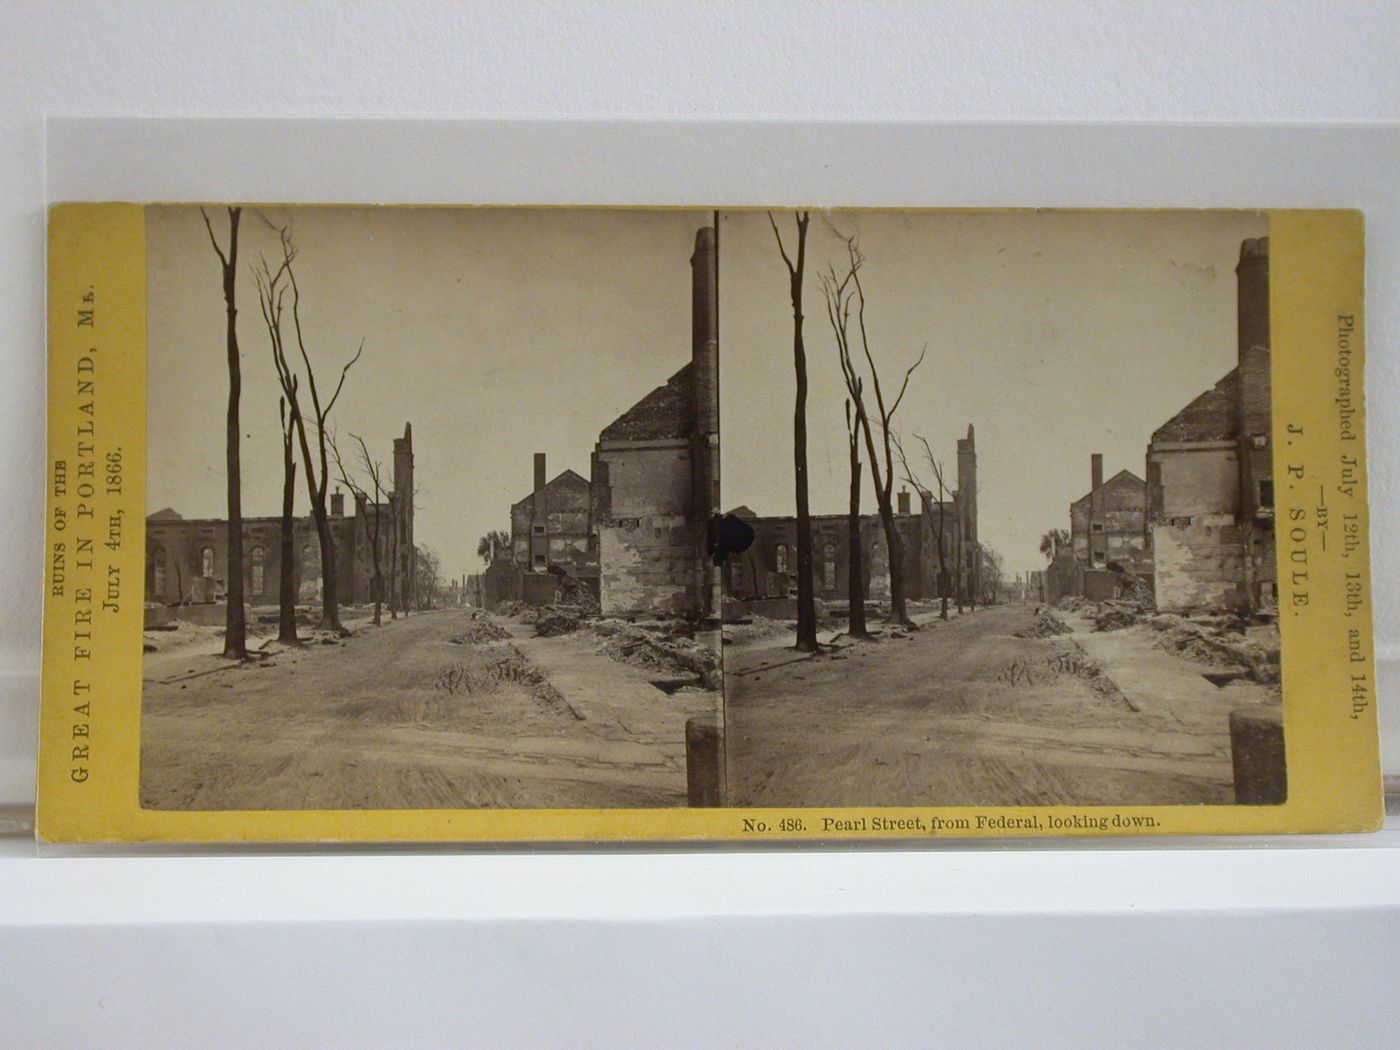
(404,716)
(966,713)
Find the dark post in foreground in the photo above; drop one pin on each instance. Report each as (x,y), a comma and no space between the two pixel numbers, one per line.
(1256,748)
(704,761)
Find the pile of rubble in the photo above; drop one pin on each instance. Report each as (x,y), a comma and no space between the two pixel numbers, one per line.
(755,627)
(572,594)
(479,628)
(518,611)
(1115,615)
(1221,641)
(557,619)
(1045,625)
(573,604)
(657,648)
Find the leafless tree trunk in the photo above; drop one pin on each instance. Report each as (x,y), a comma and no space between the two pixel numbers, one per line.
(272,294)
(855,576)
(367,504)
(989,574)
(844,295)
(236,629)
(395,600)
(426,565)
(806,596)
(926,497)
(287,578)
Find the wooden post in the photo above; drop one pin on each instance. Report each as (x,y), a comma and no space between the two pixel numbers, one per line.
(1256,747)
(704,761)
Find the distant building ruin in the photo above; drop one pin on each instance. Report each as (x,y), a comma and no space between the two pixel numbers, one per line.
(187,558)
(637,532)
(768,569)
(1200,528)
(1108,524)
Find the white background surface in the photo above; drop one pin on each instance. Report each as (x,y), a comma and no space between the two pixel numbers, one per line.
(1182,946)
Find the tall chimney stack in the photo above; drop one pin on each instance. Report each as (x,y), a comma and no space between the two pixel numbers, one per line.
(539,471)
(904,501)
(704,329)
(337,503)
(1096,460)
(1253,295)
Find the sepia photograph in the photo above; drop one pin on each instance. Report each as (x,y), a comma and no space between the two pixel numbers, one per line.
(1005,483)
(428,509)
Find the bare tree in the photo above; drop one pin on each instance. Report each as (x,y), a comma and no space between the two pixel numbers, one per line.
(428,570)
(287,578)
(806,594)
(989,576)
(855,575)
(271,294)
(370,508)
(934,510)
(846,295)
(273,287)
(235,628)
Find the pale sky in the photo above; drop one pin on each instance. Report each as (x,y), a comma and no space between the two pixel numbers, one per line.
(497,332)
(502,332)
(1058,333)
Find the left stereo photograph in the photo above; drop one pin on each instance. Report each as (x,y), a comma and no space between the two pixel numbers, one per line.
(365,427)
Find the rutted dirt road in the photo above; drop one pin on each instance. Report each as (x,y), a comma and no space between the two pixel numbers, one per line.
(967,713)
(402,716)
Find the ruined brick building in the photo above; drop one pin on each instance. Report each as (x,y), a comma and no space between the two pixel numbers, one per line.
(1108,524)
(1201,527)
(768,569)
(187,558)
(636,532)
(553,526)
(1210,487)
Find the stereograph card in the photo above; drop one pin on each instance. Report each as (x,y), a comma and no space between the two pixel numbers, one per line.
(491,524)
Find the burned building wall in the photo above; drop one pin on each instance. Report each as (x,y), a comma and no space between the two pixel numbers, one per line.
(1108,525)
(552,533)
(1210,473)
(768,569)
(968,552)
(656,477)
(187,558)
(648,541)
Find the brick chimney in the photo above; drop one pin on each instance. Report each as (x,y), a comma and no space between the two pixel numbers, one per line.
(904,501)
(967,483)
(704,367)
(1253,294)
(1096,470)
(539,471)
(337,503)
(704,329)
(1255,415)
